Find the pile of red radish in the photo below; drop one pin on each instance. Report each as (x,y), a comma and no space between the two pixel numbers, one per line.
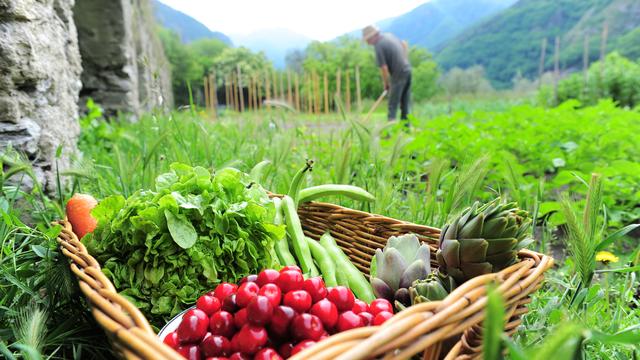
(272,315)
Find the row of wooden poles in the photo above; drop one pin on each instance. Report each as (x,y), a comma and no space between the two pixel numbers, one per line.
(308,92)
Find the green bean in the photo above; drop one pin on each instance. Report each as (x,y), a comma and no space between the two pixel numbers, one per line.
(324,261)
(294,229)
(354,192)
(294,188)
(258,171)
(357,282)
(282,248)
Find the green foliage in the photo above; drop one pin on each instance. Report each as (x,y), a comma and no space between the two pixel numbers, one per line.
(465,81)
(617,78)
(193,231)
(185,65)
(42,314)
(251,64)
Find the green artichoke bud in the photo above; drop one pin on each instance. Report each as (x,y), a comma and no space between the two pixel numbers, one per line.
(393,269)
(482,240)
(435,287)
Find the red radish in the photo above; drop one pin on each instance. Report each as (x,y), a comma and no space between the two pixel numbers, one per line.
(379,305)
(189,351)
(246,292)
(326,311)
(290,280)
(209,304)
(316,288)
(193,326)
(301,346)
(229,303)
(221,323)
(381,317)
(359,306)
(299,300)
(280,320)
(291,267)
(79,214)
(366,317)
(259,310)
(172,339)
(267,276)
(271,291)
(267,354)
(225,289)
(285,349)
(249,339)
(306,327)
(240,318)
(342,297)
(349,320)
(239,356)
(248,278)
(215,345)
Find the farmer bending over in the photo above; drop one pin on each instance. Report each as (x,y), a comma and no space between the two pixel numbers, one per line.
(392,59)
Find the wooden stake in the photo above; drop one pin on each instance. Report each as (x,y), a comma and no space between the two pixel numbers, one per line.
(205,81)
(236,97)
(347,91)
(240,90)
(556,69)
(213,91)
(282,90)
(267,87)
(226,91)
(309,94)
(297,89)
(543,53)
(256,93)
(316,93)
(275,85)
(359,97)
(289,93)
(338,82)
(585,60)
(326,93)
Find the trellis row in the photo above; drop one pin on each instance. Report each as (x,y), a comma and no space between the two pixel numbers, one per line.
(307,92)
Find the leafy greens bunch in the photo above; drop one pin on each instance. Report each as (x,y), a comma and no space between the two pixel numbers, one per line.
(162,249)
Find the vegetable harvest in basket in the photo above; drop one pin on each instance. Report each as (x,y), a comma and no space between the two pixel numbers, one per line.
(161,248)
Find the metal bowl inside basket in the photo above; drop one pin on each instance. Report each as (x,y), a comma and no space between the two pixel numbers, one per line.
(172,325)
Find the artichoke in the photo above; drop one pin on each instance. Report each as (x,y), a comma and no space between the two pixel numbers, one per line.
(482,240)
(434,288)
(393,269)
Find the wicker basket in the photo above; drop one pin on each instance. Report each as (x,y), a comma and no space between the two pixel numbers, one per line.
(449,329)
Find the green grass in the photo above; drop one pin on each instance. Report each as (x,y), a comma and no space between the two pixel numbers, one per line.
(424,174)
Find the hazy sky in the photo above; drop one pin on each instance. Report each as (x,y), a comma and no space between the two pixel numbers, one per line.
(319,20)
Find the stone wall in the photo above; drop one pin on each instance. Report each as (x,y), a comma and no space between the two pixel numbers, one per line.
(42,80)
(39,81)
(125,69)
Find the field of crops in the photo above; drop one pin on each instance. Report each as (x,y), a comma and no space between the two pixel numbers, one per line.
(543,158)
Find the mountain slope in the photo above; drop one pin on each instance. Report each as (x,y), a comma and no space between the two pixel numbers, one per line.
(187,27)
(432,23)
(275,43)
(510,42)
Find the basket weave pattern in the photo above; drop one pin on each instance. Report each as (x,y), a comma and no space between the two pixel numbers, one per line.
(449,329)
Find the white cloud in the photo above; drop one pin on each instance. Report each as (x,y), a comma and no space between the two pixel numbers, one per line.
(319,20)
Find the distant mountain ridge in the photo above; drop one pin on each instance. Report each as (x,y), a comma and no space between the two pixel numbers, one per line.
(433,23)
(510,42)
(188,28)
